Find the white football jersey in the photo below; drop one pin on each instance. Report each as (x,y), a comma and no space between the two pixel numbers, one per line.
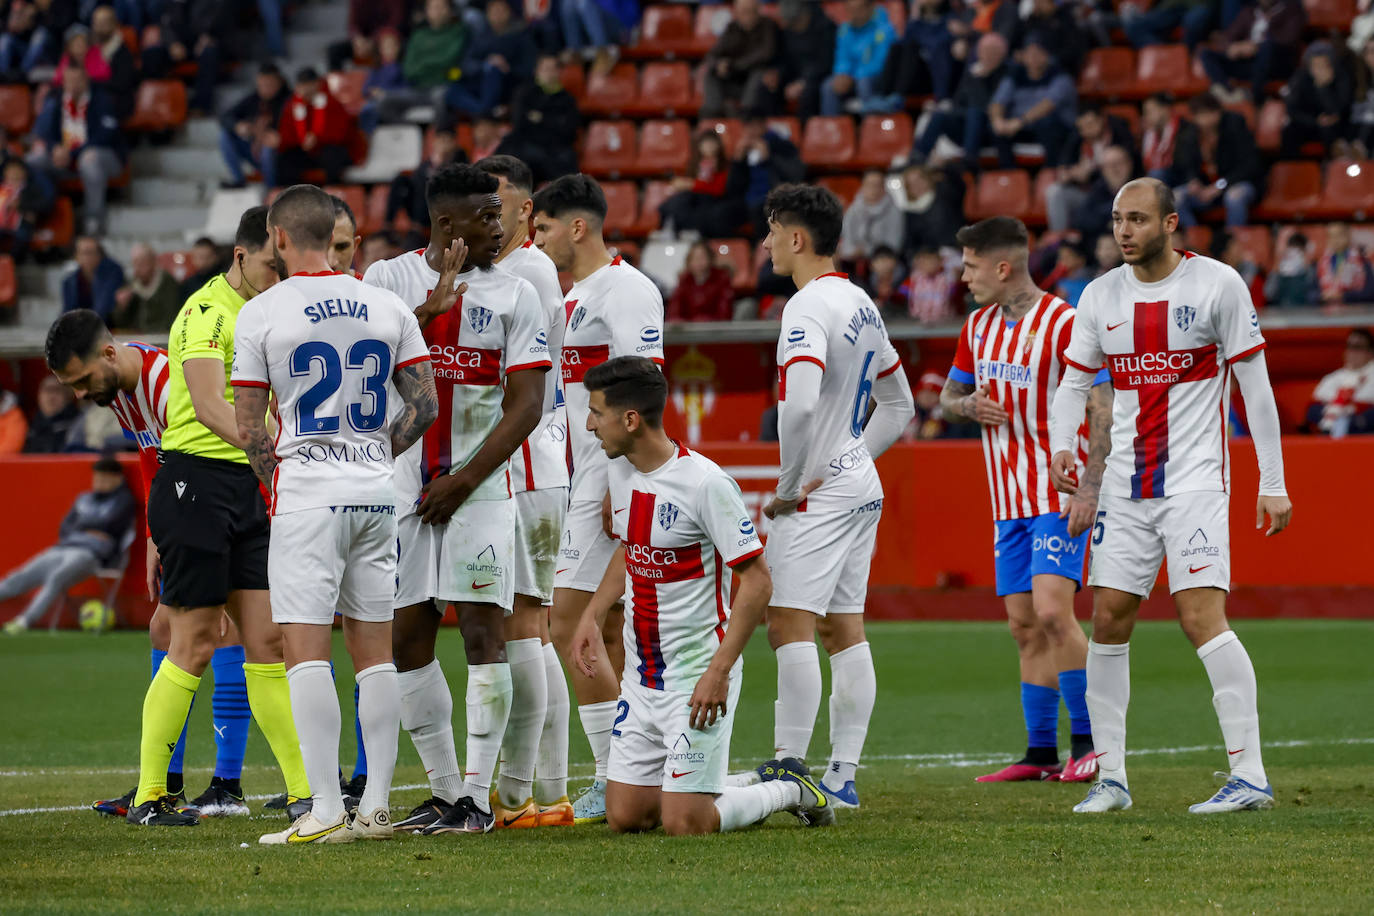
(542,461)
(1169,347)
(327,344)
(616,311)
(834,324)
(681,525)
(493,330)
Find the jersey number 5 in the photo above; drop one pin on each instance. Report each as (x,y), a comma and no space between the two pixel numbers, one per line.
(371,356)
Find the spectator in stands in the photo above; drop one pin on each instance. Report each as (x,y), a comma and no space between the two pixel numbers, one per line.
(1094,212)
(922,62)
(367,20)
(314,133)
(1343,402)
(95,281)
(883,283)
(704,290)
(1107,253)
(1160,124)
(108,41)
(861,48)
(983,17)
(544,124)
(735,68)
(966,121)
(590,31)
(1294,280)
(486,138)
(386,78)
(407,191)
(78,131)
(1319,99)
(808,56)
(1259,45)
(150,299)
(52,422)
(379,246)
(271,15)
(930,421)
(1058,23)
(246,126)
(872,220)
(1216,162)
(1082,155)
(1035,103)
(1228,248)
(1362,111)
(763,160)
(192,32)
(77,49)
(1361,27)
(96,429)
(26,199)
(1073,271)
(934,207)
(929,288)
(206,261)
(699,203)
(1344,274)
(500,57)
(14,428)
(435,50)
(1155,26)
(34,34)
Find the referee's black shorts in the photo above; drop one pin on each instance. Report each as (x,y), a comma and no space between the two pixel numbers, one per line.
(209,522)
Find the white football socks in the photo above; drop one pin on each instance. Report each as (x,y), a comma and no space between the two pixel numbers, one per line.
(597,721)
(315,707)
(741,806)
(1235,697)
(551,769)
(379,715)
(427,714)
(853,690)
(529,696)
(799,699)
(488,707)
(1108,695)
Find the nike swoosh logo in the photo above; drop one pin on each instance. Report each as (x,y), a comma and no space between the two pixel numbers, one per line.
(311,837)
(483,585)
(677,775)
(1234,753)
(1197,569)
(563,570)
(1113,327)
(507,821)
(618,511)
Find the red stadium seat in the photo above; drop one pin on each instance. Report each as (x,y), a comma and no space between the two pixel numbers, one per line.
(610,149)
(664,147)
(655,193)
(374,219)
(574,79)
(736,256)
(16,110)
(845,187)
(1294,192)
(666,31)
(9,286)
(1000,193)
(883,140)
(176,263)
(828,143)
(159,105)
(356,197)
(612,93)
(665,90)
(1039,210)
(1198,239)
(622,206)
(787,127)
(1258,241)
(1128,113)
(727,128)
(58,229)
(1348,191)
(711,19)
(347,87)
(1166,68)
(1330,14)
(1269,127)
(1108,73)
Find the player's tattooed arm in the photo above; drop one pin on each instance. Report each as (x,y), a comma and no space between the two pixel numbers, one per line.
(250,409)
(952,398)
(965,402)
(415,385)
(1099,438)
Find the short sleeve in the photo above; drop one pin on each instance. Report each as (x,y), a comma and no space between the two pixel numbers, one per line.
(250,349)
(803,338)
(1084,351)
(888,359)
(411,347)
(377,275)
(1236,321)
(725,520)
(618,480)
(636,327)
(206,332)
(962,370)
(527,340)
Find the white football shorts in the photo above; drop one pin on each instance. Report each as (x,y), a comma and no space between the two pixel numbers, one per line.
(654,744)
(477,553)
(538,533)
(328,559)
(1131,537)
(586,550)
(820,560)
(417,560)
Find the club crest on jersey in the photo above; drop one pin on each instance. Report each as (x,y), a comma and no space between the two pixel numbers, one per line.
(479,318)
(578,314)
(667,514)
(1029,344)
(1183,317)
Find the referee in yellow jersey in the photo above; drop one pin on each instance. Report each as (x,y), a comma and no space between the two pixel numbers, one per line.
(209,523)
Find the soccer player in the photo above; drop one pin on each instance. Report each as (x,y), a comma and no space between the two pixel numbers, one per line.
(325,345)
(612,310)
(1007,366)
(682,528)
(833,357)
(131,379)
(457,530)
(343,244)
(1171,327)
(538,727)
(208,520)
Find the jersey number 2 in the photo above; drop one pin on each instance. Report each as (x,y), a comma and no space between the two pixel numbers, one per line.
(372,356)
(856,422)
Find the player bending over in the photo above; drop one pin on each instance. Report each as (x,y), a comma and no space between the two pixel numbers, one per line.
(681,523)
(326,345)
(1006,369)
(833,357)
(1171,327)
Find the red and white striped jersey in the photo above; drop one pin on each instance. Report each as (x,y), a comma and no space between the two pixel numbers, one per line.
(542,462)
(681,526)
(143,412)
(615,311)
(1169,347)
(1021,363)
(492,331)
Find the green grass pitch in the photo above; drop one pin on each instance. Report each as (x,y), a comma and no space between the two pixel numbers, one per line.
(927,840)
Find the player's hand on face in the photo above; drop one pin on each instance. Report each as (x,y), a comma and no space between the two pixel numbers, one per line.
(1280,512)
(778,506)
(152,571)
(451,265)
(442,497)
(984,409)
(708,701)
(1064,472)
(585,645)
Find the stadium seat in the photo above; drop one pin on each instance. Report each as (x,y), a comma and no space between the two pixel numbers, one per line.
(176,263)
(1316,238)
(1294,192)
(663,260)
(727,128)
(612,93)
(347,87)
(1128,113)
(883,140)
(159,105)
(16,110)
(1269,125)
(394,149)
(60,226)
(711,20)
(610,149)
(9,287)
(666,32)
(828,143)
(1000,193)
(574,79)
(1330,14)
(1108,73)
(626,249)
(1166,68)
(666,90)
(736,256)
(1348,192)
(664,147)
(845,187)
(226,207)
(1258,241)
(622,207)
(374,219)
(787,127)
(1198,239)
(355,196)
(655,193)
(1038,215)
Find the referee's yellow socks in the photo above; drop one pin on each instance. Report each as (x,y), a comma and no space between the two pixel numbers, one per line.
(270,699)
(165,707)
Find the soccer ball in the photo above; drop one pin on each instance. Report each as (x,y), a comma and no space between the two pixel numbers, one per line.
(95,617)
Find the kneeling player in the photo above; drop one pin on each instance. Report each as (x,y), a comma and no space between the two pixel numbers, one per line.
(680,520)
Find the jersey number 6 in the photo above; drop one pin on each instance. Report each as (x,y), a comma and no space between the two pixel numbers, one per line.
(372,356)
(856,421)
